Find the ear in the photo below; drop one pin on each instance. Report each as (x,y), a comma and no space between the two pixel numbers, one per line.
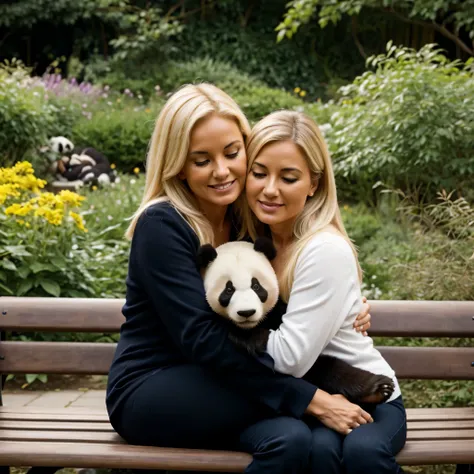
(314,184)
(206,254)
(181,176)
(60,148)
(265,245)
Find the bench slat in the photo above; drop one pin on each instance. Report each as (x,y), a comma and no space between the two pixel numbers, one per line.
(390,318)
(95,358)
(61,436)
(440,435)
(93,455)
(61,314)
(16,453)
(55,426)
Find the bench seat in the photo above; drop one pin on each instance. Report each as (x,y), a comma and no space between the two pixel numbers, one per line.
(81,438)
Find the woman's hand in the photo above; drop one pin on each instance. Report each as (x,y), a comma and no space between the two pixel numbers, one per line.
(362,322)
(337,413)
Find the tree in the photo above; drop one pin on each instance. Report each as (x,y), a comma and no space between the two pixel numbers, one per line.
(453,19)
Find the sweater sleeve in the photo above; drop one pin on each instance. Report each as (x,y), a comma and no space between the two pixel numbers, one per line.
(164,249)
(320,300)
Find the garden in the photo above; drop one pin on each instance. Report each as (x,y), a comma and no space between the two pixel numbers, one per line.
(399,123)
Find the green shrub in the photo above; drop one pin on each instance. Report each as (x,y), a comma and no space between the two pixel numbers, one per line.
(28,115)
(407,123)
(121,134)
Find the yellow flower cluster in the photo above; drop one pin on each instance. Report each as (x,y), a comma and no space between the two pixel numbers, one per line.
(18,179)
(299,91)
(19,183)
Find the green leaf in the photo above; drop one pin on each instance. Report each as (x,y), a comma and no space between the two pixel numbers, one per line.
(5,288)
(18,250)
(30,378)
(23,272)
(42,378)
(51,287)
(24,287)
(8,264)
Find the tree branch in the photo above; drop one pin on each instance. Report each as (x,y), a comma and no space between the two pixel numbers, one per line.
(354,27)
(439,28)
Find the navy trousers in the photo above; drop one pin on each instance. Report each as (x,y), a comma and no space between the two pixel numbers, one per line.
(187,407)
(368,449)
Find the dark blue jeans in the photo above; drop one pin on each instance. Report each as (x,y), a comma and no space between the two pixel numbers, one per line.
(187,407)
(368,449)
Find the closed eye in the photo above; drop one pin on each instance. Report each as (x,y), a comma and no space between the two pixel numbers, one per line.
(233,155)
(258,175)
(289,180)
(201,163)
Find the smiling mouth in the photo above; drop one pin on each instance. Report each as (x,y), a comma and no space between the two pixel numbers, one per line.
(270,205)
(223,186)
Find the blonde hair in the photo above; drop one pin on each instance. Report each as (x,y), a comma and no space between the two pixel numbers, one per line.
(168,152)
(320,210)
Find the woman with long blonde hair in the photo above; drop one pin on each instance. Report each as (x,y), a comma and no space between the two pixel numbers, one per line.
(176,379)
(291,193)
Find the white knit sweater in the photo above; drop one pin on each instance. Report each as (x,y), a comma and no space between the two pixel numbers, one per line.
(324,302)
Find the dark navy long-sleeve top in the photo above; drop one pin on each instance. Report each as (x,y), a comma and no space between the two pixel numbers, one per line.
(168,322)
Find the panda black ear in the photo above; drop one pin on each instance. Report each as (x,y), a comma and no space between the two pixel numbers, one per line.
(206,254)
(265,245)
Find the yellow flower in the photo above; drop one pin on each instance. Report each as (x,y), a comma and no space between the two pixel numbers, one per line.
(297,90)
(147,111)
(113,166)
(94,188)
(136,170)
(73,199)
(77,218)
(346,207)
(19,209)
(52,216)
(302,93)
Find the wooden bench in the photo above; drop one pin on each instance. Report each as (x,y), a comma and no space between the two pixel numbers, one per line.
(47,438)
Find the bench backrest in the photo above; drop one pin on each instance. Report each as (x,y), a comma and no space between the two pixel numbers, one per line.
(389,318)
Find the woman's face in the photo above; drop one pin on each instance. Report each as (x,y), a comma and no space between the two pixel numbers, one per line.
(278,184)
(216,166)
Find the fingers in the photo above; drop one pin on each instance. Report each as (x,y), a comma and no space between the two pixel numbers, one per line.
(366,416)
(364,299)
(363,328)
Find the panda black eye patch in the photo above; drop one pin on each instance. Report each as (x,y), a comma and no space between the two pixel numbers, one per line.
(226,295)
(262,293)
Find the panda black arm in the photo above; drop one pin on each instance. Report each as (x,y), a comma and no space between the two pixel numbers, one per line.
(163,253)
(254,342)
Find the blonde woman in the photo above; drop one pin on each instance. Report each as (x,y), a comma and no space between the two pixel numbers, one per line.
(176,380)
(291,192)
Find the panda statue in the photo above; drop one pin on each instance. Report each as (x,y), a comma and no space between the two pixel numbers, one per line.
(84,165)
(241,286)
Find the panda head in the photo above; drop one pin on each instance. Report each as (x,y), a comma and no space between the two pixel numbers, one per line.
(239,280)
(61,145)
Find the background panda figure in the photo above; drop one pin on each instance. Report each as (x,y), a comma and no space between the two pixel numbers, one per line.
(241,285)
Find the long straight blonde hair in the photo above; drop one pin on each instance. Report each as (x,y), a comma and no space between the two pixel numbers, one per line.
(169,148)
(320,210)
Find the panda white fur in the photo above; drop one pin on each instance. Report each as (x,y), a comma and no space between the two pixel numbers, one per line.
(61,145)
(241,286)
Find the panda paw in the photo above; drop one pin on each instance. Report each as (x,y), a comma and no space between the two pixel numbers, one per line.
(380,389)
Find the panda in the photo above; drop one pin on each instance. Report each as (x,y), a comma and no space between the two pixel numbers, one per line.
(84,165)
(241,286)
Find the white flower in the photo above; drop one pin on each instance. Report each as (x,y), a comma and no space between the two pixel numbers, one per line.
(75,247)
(133,181)
(109,218)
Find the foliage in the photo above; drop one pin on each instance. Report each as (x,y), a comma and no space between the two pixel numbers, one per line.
(454,217)
(407,123)
(41,241)
(28,117)
(447,17)
(122,134)
(135,30)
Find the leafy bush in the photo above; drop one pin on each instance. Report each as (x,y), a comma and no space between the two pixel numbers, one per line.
(407,123)
(42,238)
(121,134)
(27,117)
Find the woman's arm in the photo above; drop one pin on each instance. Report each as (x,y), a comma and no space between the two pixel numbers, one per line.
(324,292)
(164,250)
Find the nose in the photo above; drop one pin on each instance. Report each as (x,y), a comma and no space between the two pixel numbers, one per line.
(246,313)
(221,170)
(271,189)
